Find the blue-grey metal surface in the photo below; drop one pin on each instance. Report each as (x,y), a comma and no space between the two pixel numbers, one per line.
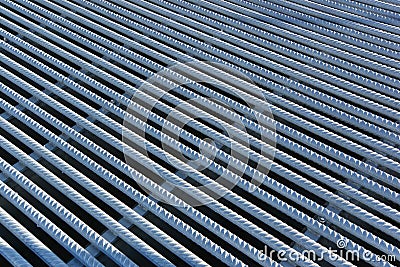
(133,133)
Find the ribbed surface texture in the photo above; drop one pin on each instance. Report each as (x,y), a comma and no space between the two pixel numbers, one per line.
(200,133)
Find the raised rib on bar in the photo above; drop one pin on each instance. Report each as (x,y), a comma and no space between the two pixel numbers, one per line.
(199,133)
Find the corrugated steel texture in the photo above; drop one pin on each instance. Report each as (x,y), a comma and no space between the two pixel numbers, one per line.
(200,133)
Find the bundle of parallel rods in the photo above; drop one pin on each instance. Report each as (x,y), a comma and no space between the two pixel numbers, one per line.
(315,182)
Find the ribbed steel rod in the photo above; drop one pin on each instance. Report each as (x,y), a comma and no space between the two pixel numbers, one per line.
(240,221)
(102,104)
(262,80)
(12,256)
(263,133)
(94,112)
(44,223)
(275,42)
(158,46)
(244,53)
(288,25)
(29,240)
(143,201)
(125,50)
